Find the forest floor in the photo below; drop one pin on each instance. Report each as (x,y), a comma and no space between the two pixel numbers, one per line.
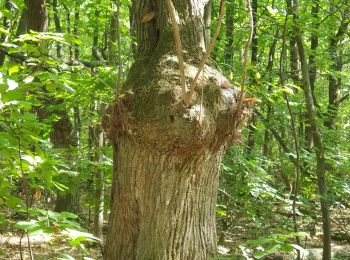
(44,247)
(49,246)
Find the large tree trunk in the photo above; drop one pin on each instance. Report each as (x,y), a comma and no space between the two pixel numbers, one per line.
(167,156)
(163,204)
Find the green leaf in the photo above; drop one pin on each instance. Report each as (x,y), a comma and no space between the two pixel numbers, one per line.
(2,30)
(36,230)
(59,186)
(261,241)
(53,215)
(288,90)
(13,202)
(260,254)
(272,11)
(287,248)
(3,140)
(21,104)
(273,249)
(27,225)
(68,88)
(78,236)
(14,69)
(68,215)
(12,84)
(76,241)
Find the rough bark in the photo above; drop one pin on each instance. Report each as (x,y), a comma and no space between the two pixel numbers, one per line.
(164,208)
(37,15)
(167,159)
(22,24)
(167,156)
(69,201)
(62,138)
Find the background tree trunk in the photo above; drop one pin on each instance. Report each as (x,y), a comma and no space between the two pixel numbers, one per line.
(334,80)
(37,15)
(230,9)
(99,183)
(62,134)
(6,25)
(58,26)
(316,136)
(314,44)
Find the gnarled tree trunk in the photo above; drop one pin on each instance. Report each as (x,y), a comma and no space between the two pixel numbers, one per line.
(167,155)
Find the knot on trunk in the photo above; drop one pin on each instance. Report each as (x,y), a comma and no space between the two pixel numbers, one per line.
(154,115)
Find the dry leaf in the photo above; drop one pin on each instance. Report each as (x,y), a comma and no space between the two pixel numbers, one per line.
(226,84)
(148,17)
(37,194)
(251,99)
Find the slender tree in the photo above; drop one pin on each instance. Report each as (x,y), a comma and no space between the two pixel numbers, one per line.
(229,33)
(320,156)
(57,25)
(314,44)
(254,61)
(334,80)
(6,25)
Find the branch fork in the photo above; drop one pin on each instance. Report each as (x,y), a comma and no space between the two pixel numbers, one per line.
(187,94)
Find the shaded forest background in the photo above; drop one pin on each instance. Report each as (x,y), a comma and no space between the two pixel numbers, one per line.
(57,80)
